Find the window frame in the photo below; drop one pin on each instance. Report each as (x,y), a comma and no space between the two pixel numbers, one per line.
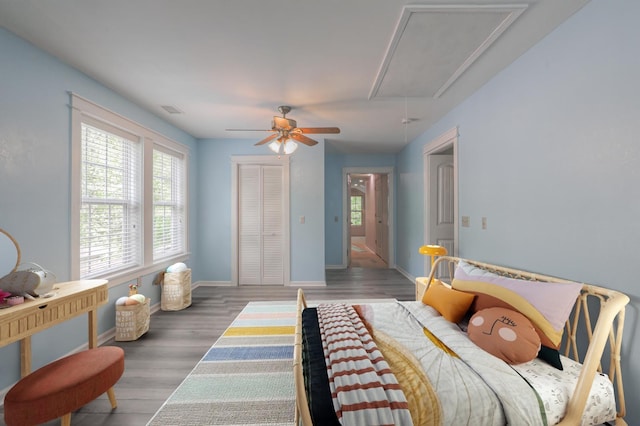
(361,211)
(117,154)
(83,109)
(176,204)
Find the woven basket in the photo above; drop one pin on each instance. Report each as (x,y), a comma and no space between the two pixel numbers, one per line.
(132,321)
(176,291)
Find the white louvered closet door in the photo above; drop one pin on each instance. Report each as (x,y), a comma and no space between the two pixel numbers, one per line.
(260,225)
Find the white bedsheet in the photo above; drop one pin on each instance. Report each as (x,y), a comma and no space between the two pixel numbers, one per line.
(555,387)
(476,388)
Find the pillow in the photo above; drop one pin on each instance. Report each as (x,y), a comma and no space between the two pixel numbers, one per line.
(450,303)
(504,333)
(546,304)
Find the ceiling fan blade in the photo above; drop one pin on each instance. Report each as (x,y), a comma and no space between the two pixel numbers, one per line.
(302,139)
(319,129)
(267,139)
(248,130)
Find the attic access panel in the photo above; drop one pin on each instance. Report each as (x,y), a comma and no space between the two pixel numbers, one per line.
(433,46)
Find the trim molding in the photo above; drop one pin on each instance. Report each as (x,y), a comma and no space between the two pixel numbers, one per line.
(406,274)
(307,284)
(389,171)
(442,142)
(213,284)
(343,266)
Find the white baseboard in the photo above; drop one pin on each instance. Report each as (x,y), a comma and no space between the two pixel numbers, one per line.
(406,274)
(343,266)
(228,284)
(212,284)
(307,284)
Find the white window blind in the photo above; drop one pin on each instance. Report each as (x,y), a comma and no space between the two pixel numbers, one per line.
(110,212)
(129,196)
(168,203)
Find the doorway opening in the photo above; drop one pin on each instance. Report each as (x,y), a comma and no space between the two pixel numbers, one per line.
(368,230)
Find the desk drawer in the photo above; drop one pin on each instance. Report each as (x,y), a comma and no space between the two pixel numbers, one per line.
(24,320)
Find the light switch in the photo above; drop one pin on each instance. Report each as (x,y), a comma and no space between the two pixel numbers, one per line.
(466,221)
(301,219)
(484,223)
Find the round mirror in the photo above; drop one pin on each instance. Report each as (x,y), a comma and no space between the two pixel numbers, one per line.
(9,253)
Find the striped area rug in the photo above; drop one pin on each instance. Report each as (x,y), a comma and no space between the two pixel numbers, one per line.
(246,378)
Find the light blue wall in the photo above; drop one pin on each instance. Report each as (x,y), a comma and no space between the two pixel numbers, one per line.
(334,165)
(549,152)
(214,207)
(35,176)
(410,210)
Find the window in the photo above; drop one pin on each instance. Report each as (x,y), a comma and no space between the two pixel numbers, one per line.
(168,203)
(110,208)
(356,210)
(128,196)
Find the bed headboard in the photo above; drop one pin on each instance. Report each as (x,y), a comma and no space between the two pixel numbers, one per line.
(593,332)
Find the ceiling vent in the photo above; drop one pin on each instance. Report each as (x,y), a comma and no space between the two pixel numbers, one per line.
(171,109)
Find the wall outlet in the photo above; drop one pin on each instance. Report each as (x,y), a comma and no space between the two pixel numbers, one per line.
(466,221)
(484,223)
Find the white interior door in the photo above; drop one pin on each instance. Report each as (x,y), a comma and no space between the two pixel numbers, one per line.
(348,220)
(441,209)
(260,225)
(249,229)
(382,216)
(272,226)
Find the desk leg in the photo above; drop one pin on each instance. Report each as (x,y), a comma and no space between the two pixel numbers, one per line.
(25,356)
(93,328)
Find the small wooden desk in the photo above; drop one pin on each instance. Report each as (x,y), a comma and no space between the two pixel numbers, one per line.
(73,298)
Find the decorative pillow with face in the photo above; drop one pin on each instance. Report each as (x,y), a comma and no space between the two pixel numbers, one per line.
(504,333)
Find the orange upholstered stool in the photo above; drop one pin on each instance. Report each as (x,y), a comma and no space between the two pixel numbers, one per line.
(63,386)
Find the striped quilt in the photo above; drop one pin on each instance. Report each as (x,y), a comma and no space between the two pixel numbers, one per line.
(363,388)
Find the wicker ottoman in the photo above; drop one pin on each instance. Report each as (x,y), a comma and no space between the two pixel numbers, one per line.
(63,386)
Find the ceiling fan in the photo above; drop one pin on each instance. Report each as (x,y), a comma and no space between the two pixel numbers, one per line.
(287,133)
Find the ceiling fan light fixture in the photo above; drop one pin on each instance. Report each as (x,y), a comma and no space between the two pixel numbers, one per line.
(275,147)
(290,146)
(286,147)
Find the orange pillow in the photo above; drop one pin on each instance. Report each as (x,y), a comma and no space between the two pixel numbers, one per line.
(451,304)
(504,333)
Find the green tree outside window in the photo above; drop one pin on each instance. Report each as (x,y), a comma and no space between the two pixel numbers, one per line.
(356,210)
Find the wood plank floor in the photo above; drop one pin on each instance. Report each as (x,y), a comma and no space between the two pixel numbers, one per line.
(157,363)
(363,257)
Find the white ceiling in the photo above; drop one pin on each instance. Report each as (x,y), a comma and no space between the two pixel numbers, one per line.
(365,66)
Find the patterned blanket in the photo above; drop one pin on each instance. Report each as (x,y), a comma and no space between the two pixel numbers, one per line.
(363,387)
(472,386)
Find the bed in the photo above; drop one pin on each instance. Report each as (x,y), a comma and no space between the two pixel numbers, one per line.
(527,349)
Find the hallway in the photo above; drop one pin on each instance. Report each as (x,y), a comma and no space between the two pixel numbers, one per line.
(362,257)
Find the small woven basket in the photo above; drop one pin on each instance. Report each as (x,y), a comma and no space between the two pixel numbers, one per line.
(132,321)
(176,290)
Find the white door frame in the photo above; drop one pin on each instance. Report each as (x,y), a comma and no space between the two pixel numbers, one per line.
(345,200)
(236,161)
(443,142)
